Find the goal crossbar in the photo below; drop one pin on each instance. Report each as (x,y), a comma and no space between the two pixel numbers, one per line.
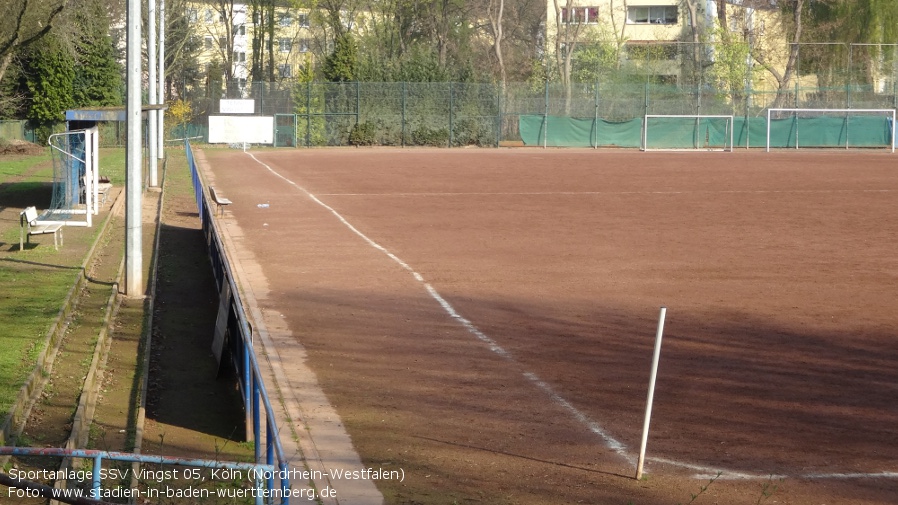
(728,134)
(889,114)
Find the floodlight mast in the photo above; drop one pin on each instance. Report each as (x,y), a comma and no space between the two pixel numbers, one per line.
(161,91)
(133,191)
(152,116)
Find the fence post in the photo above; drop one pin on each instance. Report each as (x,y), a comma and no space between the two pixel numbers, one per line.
(546,117)
(645,101)
(645,112)
(248,380)
(451,103)
(499,114)
(95,481)
(358,101)
(269,459)
(309,114)
(402,115)
(257,417)
(595,123)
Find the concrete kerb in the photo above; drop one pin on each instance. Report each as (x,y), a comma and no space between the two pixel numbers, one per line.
(306,415)
(87,402)
(14,423)
(147,338)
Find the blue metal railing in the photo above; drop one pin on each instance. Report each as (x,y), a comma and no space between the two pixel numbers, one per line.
(243,357)
(258,470)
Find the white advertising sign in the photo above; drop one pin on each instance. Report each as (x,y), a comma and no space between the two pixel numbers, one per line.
(239,129)
(226,106)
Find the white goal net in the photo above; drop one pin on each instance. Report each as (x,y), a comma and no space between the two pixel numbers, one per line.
(75,177)
(831,128)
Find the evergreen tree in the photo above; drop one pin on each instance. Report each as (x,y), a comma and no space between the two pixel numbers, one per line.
(340,66)
(49,76)
(98,76)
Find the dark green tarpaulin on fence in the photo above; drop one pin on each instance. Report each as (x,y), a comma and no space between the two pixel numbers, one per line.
(686,133)
(579,132)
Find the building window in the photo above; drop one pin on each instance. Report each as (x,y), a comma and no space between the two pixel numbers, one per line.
(652,14)
(239,57)
(285,45)
(209,41)
(239,30)
(304,21)
(285,19)
(223,43)
(285,70)
(304,45)
(580,15)
(192,16)
(209,17)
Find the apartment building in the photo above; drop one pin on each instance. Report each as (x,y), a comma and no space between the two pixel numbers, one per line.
(665,31)
(228,36)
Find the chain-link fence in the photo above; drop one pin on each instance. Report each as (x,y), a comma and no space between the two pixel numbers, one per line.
(648,79)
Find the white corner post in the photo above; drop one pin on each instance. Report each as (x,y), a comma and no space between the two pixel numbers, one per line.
(133,168)
(161,91)
(152,117)
(651,395)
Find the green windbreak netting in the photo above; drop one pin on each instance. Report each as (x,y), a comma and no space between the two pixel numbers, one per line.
(831,131)
(558,131)
(750,132)
(668,133)
(687,132)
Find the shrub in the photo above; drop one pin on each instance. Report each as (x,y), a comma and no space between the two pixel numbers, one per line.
(363,134)
(424,136)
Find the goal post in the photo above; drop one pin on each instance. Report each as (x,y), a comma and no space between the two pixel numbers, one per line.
(75,157)
(831,128)
(697,132)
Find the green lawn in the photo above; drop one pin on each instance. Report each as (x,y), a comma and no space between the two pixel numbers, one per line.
(17,165)
(33,286)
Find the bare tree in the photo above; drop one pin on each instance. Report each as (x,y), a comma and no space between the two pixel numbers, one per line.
(224,39)
(696,29)
(496,15)
(784,78)
(23,22)
(568,29)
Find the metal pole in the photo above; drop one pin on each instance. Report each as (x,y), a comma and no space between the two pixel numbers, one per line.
(848,82)
(248,405)
(95,478)
(309,114)
(648,406)
(893,131)
(133,193)
(546,117)
(402,140)
(451,136)
(257,418)
(795,114)
(161,90)
(151,85)
(645,120)
(499,116)
(595,124)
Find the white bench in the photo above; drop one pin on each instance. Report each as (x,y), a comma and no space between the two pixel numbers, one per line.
(103,191)
(32,225)
(219,201)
